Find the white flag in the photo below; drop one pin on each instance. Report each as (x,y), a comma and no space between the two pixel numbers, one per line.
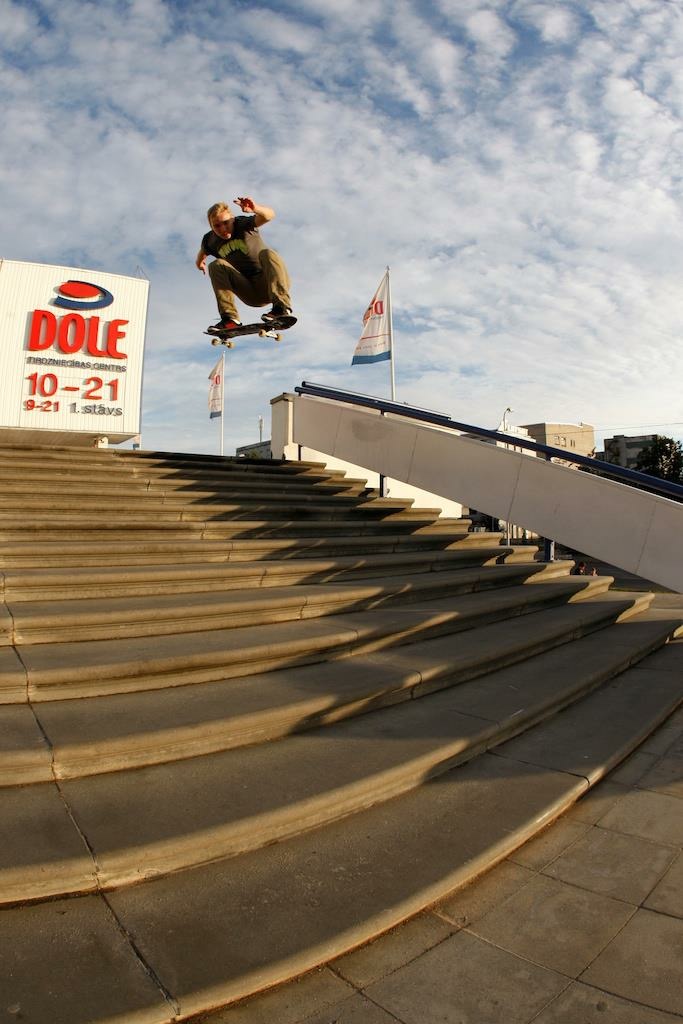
(375,341)
(216,389)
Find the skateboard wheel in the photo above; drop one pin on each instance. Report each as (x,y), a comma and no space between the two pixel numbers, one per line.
(261,334)
(278,337)
(215,341)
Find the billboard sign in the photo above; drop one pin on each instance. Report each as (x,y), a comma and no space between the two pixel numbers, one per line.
(71,350)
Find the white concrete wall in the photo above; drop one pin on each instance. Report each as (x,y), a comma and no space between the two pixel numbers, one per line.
(284,446)
(636,531)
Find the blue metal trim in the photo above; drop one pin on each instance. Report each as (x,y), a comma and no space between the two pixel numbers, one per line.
(630,476)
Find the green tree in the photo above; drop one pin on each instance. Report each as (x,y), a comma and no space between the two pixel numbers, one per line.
(663,458)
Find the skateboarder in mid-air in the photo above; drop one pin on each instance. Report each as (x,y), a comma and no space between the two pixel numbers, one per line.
(243,266)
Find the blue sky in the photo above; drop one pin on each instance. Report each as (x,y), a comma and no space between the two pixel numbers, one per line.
(517,163)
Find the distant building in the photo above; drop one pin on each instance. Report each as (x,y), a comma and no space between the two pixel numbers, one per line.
(624,451)
(577,438)
(510,431)
(257,450)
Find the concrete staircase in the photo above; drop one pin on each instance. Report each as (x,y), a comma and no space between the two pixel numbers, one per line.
(252,715)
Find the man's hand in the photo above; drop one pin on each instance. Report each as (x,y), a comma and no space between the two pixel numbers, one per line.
(200,262)
(262,214)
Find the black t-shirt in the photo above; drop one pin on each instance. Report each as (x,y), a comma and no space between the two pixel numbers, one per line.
(241,250)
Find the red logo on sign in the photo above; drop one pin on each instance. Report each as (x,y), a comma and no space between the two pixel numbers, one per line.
(82,295)
(74,332)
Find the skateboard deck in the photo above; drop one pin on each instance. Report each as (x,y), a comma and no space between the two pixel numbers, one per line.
(263,329)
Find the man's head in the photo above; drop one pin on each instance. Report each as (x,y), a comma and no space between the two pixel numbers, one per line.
(220,219)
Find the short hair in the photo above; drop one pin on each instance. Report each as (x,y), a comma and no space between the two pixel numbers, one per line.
(214,210)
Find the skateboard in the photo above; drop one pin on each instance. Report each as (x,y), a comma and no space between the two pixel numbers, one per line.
(263,329)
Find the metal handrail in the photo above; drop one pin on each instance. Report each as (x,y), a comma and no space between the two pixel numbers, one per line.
(630,476)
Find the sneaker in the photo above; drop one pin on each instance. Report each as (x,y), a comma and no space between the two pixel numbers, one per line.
(276,312)
(226,323)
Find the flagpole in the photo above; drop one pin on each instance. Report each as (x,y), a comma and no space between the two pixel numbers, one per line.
(222,416)
(391,340)
(382,479)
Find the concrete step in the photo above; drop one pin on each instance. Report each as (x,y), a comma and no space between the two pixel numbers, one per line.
(50,621)
(145,823)
(146,513)
(109,581)
(108,531)
(190,463)
(46,492)
(44,495)
(128,460)
(19,475)
(67,670)
(159,465)
(213,934)
(191,548)
(72,738)
(182,462)
(38,457)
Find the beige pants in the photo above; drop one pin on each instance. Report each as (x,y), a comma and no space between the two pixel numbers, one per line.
(271,285)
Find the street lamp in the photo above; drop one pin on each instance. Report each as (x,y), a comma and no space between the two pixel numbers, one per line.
(503,425)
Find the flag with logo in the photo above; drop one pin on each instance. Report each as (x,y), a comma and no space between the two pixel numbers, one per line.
(375,341)
(216,389)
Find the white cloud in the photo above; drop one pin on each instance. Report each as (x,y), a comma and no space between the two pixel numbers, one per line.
(19,25)
(490,32)
(555,23)
(517,165)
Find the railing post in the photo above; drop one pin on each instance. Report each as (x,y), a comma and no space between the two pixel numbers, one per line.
(382,478)
(548,545)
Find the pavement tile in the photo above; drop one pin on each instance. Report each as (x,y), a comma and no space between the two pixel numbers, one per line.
(633,768)
(357,1010)
(392,950)
(67,962)
(581,1004)
(467,905)
(624,867)
(594,804)
(555,925)
(676,748)
(670,734)
(539,852)
(654,816)
(665,777)
(643,962)
(288,1004)
(667,897)
(466,981)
